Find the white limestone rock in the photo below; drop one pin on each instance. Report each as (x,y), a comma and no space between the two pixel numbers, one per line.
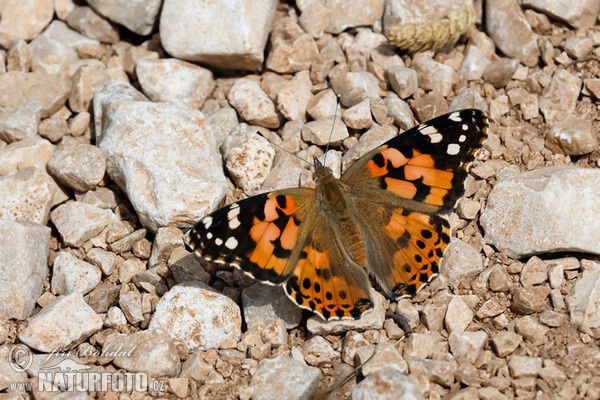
(70,275)
(283,377)
(137,16)
(78,222)
(27,195)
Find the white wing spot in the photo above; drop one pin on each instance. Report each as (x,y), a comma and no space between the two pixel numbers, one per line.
(233,212)
(436,137)
(209,235)
(234,223)
(427,129)
(455,116)
(218,241)
(462,138)
(231,243)
(207,222)
(465,127)
(453,149)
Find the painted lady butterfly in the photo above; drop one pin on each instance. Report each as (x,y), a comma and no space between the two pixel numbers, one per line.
(386,217)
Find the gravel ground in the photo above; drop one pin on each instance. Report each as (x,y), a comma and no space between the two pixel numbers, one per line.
(124,123)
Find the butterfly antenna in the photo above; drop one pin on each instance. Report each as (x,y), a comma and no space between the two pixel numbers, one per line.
(337,106)
(285,150)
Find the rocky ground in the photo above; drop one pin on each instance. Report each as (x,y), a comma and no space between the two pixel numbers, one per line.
(112,146)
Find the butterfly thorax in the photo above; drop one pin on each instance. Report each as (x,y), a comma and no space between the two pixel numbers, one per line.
(332,192)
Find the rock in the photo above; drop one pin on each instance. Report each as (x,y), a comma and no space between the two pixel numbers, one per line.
(531,330)
(51,90)
(387,356)
(293,97)
(109,92)
(86,21)
(510,31)
(583,301)
(181,179)
(29,152)
(404,80)
(264,304)
(253,104)
(461,262)
(474,63)
(438,371)
(553,319)
(196,368)
(387,384)
(151,351)
(505,342)
(175,81)
(291,49)
(465,346)
(415,11)
(225,35)
(78,222)
(357,13)
(431,105)
(490,308)
(320,132)
(458,315)
(359,115)
(186,267)
(528,300)
(53,129)
(534,272)
(400,111)
(71,275)
(283,377)
(24,248)
(23,20)
(524,367)
(20,122)
(166,239)
(314,19)
(354,87)
(560,98)
(78,166)
(371,320)
(52,51)
(62,324)
(581,14)
(222,123)
(26,195)
(593,86)
(573,136)
(500,72)
(434,75)
(114,318)
(197,315)
(138,17)
(578,47)
(85,81)
(318,351)
(531,212)
(102,297)
(468,98)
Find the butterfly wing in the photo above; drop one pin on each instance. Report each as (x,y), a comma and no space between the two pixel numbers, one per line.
(406,186)
(257,234)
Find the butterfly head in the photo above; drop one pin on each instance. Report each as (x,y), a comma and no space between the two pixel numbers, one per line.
(321,170)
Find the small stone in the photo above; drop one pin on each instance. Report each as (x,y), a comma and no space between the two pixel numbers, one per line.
(404,81)
(433,316)
(465,346)
(275,333)
(137,17)
(87,22)
(263,304)
(77,165)
(529,107)
(474,63)
(24,248)
(196,368)
(505,342)
(500,72)
(560,98)
(19,57)
(431,105)
(433,75)
(353,341)
(552,375)
(292,49)
(60,325)
(517,216)
(468,98)
(314,19)
(490,308)
(418,345)
(387,384)
(151,351)
(499,107)
(371,320)
(294,96)
(253,104)
(400,111)
(500,280)
(578,48)
(318,351)
(319,132)
(510,31)
(53,129)
(461,262)
(166,239)
(195,31)
(51,90)
(79,123)
(26,195)
(70,275)
(20,122)
(195,314)
(458,315)
(528,300)
(322,105)
(580,15)
(358,116)
(556,276)
(552,319)
(186,267)
(524,367)
(78,222)
(573,136)
(85,81)
(129,268)
(593,86)
(468,208)
(175,81)
(114,318)
(283,377)
(387,356)
(534,272)
(131,304)
(23,20)
(111,91)
(103,259)
(103,297)
(531,330)
(124,244)
(354,87)
(583,301)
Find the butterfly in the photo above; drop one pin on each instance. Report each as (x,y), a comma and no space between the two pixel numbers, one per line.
(385,218)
